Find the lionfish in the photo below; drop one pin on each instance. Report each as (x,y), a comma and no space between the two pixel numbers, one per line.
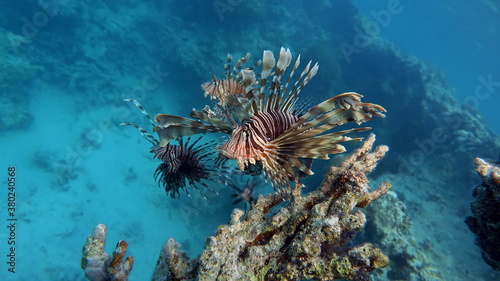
(266,125)
(185,163)
(246,193)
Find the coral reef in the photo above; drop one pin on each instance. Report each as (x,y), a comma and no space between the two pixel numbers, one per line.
(98,265)
(15,68)
(485,222)
(389,223)
(305,239)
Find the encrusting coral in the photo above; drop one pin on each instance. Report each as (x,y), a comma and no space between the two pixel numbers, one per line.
(486,210)
(304,239)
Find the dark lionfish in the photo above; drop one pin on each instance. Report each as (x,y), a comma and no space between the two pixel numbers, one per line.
(265,123)
(183,164)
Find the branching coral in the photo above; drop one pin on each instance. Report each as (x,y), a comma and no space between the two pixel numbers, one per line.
(305,239)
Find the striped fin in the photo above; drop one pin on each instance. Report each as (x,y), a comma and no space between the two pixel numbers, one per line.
(346,100)
(268,62)
(290,76)
(227,65)
(171,127)
(309,74)
(293,139)
(165,120)
(318,147)
(255,65)
(326,122)
(298,164)
(274,98)
(143,132)
(207,115)
(284,60)
(136,103)
(239,63)
(290,99)
(171,132)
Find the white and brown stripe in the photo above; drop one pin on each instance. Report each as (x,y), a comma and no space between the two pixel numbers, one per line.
(253,140)
(223,89)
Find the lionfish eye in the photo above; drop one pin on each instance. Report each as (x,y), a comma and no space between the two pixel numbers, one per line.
(245,124)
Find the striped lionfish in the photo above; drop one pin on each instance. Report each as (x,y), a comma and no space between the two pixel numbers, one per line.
(266,126)
(184,163)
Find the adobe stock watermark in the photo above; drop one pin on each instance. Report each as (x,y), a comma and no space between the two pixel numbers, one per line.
(31,26)
(65,168)
(371,28)
(223,6)
(483,91)
(440,135)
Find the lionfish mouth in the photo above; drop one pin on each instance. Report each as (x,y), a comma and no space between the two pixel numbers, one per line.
(266,126)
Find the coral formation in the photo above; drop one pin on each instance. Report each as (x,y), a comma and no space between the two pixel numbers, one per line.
(485,222)
(98,265)
(15,68)
(305,239)
(389,223)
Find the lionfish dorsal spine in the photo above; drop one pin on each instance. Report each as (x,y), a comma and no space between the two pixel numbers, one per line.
(268,62)
(284,60)
(239,63)
(257,64)
(227,66)
(295,66)
(248,78)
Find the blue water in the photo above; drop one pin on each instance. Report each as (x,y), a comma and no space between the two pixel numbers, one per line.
(68,65)
(459,37)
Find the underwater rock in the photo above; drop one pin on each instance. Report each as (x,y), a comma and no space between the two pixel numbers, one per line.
(98,265)
(389,223)
(303,239)
(14,114)
(15,69)
(485,222)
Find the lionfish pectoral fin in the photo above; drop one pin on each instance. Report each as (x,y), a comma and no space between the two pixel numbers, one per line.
(345,101)
(141,108)
(174,131)
(165,120)
(211,117)
(301,165)
(143,132)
